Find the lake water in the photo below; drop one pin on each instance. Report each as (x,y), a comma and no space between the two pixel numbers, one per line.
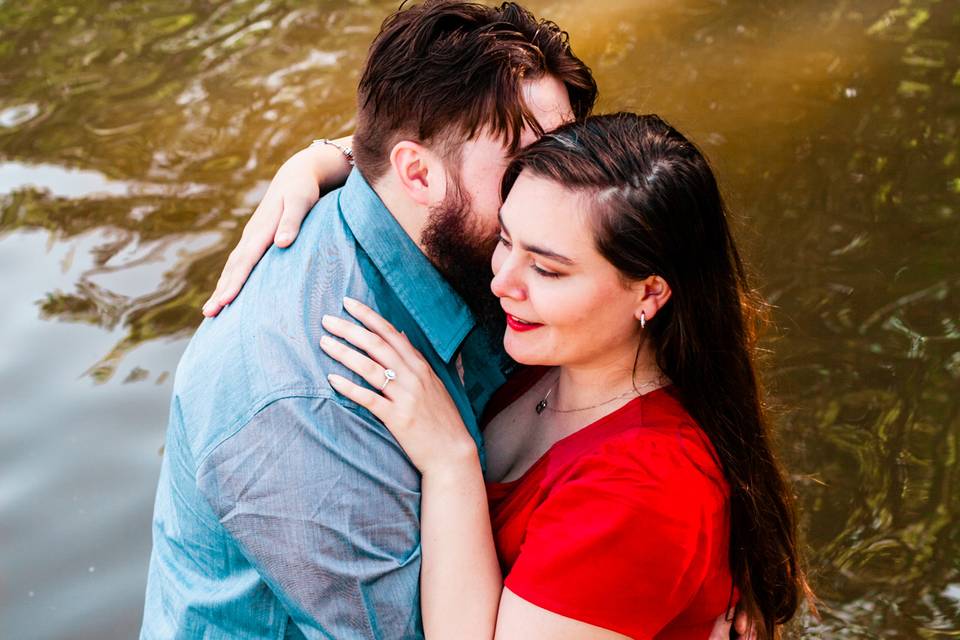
(135,138)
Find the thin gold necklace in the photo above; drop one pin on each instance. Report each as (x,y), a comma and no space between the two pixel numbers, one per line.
(543,405)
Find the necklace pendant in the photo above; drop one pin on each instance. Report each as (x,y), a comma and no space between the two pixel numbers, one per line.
(541,406)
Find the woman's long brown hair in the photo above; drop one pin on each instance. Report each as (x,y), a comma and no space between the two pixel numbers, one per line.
(658,211)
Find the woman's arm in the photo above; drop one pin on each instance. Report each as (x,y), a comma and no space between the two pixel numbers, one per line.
(460,580)
(462,593)
(294,190)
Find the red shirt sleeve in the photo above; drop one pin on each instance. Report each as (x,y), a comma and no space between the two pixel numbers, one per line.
(623,541)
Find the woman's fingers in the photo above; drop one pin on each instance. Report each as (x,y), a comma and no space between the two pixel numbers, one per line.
(375,346)
(744,626)
(352,359)
(372,401)
(289,198)
(419,411)
(382,327)
(721,628)
(256,239)
(371,320)
(295,209)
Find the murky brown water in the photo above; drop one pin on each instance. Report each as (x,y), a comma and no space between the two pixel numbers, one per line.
(135,138)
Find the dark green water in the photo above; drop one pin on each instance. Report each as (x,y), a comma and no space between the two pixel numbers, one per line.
(136,137)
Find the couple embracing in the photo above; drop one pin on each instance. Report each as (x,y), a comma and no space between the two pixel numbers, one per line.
(376,440)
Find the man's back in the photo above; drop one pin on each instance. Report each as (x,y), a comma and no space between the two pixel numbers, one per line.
(280,504)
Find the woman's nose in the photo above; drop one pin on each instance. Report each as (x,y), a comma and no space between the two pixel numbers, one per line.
(506,283)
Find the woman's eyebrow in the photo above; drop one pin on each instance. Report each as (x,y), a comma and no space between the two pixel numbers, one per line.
(546,253)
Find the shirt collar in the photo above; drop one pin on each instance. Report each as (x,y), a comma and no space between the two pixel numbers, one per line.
(441,313)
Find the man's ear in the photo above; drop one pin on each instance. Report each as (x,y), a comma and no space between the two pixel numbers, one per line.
(652,293)
(419,172)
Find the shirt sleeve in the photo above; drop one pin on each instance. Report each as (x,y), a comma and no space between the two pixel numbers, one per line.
(326,507)
(620,544)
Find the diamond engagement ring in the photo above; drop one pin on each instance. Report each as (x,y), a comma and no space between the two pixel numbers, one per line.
(388,375)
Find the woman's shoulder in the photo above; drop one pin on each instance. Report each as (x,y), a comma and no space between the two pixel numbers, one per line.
(658,445)
(634,494)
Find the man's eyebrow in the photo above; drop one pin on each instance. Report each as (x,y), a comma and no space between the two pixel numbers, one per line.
(546,253)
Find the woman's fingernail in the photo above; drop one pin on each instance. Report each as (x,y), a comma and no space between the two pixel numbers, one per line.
(284,237)
(348,301)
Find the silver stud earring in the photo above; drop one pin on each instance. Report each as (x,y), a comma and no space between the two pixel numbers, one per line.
(643,320)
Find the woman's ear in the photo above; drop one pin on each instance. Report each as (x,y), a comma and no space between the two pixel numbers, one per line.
(652,293)
(419,172)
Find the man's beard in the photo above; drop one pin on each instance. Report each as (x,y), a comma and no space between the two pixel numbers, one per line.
(454,242)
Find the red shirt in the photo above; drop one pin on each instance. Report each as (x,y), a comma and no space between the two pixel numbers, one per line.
(623,524)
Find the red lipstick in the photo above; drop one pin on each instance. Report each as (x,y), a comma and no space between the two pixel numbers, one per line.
(519,325)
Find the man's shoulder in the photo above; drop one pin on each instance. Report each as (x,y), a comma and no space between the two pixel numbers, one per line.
(265,344)
(288,287)
(323,237)
(310,411)
(212,407)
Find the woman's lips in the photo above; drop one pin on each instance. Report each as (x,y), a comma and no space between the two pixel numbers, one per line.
(519,325)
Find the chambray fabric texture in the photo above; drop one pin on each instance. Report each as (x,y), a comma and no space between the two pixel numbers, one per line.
(284,510)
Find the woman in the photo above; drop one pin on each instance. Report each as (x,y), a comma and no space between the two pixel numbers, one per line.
(631,484)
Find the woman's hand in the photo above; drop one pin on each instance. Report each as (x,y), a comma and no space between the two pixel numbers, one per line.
(740,623)
(414,406)
(292,193)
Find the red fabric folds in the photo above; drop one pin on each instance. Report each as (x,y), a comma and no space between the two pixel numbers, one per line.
(623,525)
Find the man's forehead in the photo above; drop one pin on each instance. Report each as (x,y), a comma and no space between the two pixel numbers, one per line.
(549,102)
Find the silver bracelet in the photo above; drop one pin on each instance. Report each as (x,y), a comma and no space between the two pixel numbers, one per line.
(346,151)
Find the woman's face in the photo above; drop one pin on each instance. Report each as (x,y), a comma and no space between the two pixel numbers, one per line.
(565,304)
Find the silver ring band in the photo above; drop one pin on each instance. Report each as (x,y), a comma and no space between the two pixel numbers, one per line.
(388,375)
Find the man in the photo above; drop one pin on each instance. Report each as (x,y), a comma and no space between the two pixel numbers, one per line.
(284,510)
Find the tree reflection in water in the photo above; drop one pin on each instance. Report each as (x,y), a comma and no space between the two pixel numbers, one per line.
(833,126)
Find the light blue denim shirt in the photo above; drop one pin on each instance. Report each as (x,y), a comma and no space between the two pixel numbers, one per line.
(284,510)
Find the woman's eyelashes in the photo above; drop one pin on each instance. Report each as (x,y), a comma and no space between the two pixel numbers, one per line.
(544,272)
(538,269)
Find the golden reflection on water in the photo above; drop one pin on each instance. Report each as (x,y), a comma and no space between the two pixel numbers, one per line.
(135,139)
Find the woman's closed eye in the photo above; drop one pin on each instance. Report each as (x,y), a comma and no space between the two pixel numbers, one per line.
(537,268)
(543,272)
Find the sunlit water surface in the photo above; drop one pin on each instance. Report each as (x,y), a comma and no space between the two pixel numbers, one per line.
(136,137)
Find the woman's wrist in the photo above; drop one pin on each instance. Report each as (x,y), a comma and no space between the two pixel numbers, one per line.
(327,164)
(459,465)
(342,145)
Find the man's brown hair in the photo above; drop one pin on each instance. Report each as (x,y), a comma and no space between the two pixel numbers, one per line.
(441,71)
